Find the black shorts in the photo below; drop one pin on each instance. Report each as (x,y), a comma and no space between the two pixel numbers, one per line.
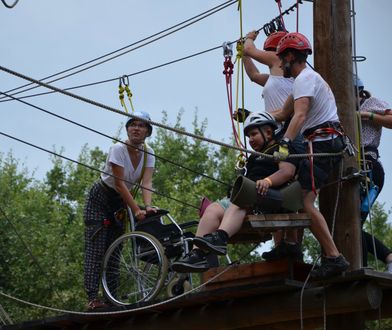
(322,166)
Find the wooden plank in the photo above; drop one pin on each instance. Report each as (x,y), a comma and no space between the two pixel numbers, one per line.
(257,228)
(277,217)
(257,272)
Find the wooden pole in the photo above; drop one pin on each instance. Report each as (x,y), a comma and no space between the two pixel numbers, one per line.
(332,56)
(332,59)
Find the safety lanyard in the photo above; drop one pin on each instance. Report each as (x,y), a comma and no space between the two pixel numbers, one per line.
(136,186)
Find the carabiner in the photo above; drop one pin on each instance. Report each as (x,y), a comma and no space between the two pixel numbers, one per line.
(125,80)
(227,49)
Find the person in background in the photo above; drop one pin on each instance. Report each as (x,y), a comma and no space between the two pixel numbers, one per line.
(127,166)
(375,114)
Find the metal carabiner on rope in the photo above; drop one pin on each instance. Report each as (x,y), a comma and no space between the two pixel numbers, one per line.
(124,80)
(227,49)
(240,165)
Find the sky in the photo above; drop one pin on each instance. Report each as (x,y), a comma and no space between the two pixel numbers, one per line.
(43,37)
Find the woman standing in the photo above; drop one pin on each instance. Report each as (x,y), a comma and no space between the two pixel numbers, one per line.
(375,114)
(127,165)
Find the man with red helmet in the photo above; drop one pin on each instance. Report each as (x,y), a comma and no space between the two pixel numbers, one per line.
(314,116)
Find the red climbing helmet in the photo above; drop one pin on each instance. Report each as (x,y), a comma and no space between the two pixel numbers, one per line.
(273,39)
(294,40)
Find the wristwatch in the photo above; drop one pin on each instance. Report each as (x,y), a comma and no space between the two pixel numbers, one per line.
(285,141)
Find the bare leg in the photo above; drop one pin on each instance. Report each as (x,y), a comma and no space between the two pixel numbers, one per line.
(210,220)
(319,226)
(232,220)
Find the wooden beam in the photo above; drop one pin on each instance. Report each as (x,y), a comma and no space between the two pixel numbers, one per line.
(332,59)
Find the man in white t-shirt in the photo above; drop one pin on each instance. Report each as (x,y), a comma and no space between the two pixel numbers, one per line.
(314,116)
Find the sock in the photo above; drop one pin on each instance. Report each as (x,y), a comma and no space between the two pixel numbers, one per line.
(389,267)
(223,235)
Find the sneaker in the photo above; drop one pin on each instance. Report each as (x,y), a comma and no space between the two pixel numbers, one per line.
(212,243)
(330,266)
(96,304)
(284,250)
(194,262)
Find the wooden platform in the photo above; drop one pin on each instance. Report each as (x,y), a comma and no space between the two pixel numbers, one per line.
(272,304)
(257,272)
(258,228)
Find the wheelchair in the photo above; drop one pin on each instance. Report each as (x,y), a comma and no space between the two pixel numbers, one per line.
(137,265)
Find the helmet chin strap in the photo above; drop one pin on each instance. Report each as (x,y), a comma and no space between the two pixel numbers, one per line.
(264,138)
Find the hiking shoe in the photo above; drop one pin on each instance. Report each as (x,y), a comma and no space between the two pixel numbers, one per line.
(284,250)
(194,262)
(330,266)
(212,243)
(96,304)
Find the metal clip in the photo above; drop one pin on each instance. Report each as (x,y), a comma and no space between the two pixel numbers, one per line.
(124,80)
(227,49)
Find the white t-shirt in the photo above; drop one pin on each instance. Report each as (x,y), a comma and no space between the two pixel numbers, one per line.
(322,104)
(118,154)
(276,91)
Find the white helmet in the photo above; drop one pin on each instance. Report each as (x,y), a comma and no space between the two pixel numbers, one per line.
(142,115)
(258,119)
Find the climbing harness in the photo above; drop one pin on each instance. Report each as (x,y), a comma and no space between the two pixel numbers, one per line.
(123,85)
(334,130)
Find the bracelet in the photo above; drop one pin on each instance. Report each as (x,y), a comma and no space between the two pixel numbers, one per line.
(371,117)
(147,205)
(268,180)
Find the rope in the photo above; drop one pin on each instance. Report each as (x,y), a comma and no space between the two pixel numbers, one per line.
(178,131)
(279,3)
(100,171)
(9,6)
(173,28)
(117,140)
(6,316)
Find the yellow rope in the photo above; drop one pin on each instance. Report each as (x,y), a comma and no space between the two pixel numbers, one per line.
(124,80)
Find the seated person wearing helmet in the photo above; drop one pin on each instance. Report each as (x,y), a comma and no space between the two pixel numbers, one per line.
(222,219)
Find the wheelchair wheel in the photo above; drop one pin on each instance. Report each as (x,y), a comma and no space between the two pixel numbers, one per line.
(134,269)
(177,286)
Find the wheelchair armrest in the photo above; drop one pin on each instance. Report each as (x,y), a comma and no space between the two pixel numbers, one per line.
(188,224)
(159,213)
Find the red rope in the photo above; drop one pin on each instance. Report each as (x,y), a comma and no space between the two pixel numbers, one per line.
(228,71)
(280,12)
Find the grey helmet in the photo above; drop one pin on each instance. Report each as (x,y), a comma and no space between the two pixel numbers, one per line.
(142,115)
(258,119)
